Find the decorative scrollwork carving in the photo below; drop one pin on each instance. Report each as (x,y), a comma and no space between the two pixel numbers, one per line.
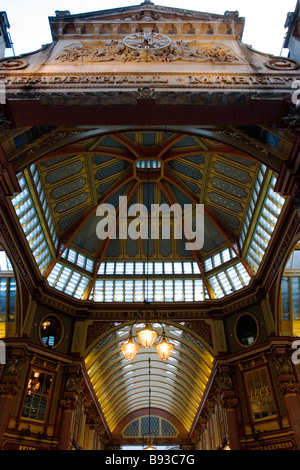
(13,64)
(282,63)
(229,403)
(193,51)
(74,384)
(289,387)
(224,383)
(8,388)
(145,93)
(283,365)
(14,366)
(68,403)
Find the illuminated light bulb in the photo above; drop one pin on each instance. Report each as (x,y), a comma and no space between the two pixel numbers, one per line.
(130,349)
(147,336)
(45,324)
(164,349)
(150,446)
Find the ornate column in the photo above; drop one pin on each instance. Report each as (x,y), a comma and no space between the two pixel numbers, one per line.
(65,437)
(290,390)
(69,403)
(289,387)
(7,392)
(229,403)
(9,388)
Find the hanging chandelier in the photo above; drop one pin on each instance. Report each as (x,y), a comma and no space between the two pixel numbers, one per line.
(147,337)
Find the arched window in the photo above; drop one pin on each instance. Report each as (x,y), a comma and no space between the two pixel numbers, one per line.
(159,427)
(290,294)
(8,291)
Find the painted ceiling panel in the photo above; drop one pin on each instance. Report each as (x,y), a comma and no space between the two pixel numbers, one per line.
(198,159)
(64,172)
(187,142)
(229,219)
(67,221)
(99,159)
(185,170)
(111,170)
(54,161)
(232,189)
(109,141)
(87,238)
(213,238)
(225,202)
(68,188)
(232,172)
(241,161)
(101,169)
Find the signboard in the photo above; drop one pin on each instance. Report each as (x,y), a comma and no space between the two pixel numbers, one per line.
(23,445)
(287,444)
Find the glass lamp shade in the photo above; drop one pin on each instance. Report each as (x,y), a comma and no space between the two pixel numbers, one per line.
(150,446)
(164,349)
(130,349)
(147,336)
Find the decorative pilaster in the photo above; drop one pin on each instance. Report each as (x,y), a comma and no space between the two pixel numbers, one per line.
(65,437)
(73,391)
(7,392)
(289,387)
(290,390)
(9,387)
(230,403)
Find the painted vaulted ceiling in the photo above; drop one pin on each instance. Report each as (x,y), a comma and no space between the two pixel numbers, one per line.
(60,194)
(147,167)
(66,174)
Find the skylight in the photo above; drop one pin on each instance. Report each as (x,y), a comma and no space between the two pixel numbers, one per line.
(154,281)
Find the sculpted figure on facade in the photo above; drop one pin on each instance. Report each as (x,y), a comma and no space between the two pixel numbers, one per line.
(115,50)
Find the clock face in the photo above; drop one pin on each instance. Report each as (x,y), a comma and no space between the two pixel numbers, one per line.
(147,41)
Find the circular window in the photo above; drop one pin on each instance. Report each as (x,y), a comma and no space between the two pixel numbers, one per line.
(246,329)
(51,331)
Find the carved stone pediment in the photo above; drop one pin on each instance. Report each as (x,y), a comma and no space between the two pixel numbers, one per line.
(189,51)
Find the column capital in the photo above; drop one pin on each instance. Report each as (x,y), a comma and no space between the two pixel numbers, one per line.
(9,388)
(68,403)
(289,387)
(229,403)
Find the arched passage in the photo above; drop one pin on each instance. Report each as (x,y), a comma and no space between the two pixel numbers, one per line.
(8,295)
(177,385)
(289,304)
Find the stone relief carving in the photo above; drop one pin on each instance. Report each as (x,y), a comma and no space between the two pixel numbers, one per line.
(224,383)
(282,63)
(14,366)
(101,51)
(13,64)
(283,365)
(73,384)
